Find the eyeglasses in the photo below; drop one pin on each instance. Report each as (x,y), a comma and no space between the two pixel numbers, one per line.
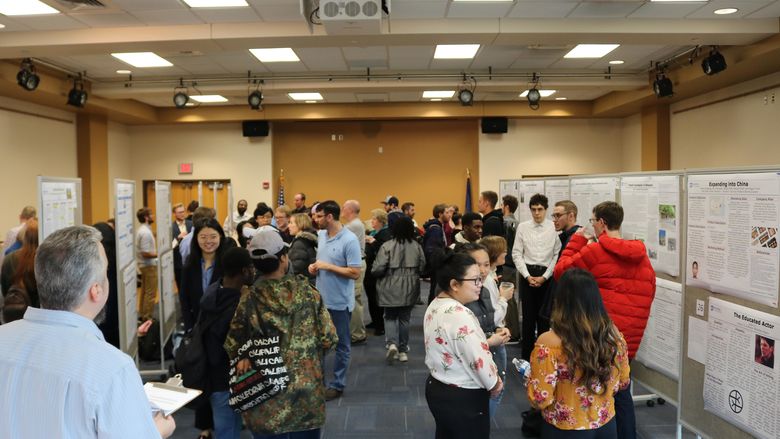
(477,280)
(593,220)
(555,216)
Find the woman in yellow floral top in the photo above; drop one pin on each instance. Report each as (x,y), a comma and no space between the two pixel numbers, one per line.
(579,364)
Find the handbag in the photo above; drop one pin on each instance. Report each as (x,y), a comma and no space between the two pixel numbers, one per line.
(267,377)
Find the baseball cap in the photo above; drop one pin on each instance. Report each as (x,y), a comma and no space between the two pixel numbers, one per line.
(390,200)
(266,243)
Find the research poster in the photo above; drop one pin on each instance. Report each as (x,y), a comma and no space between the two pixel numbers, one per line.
(741,377)
(59,206)
(163,215)
(123,220)
(588,192)
(651,205)
(733,220)
(167,284)
(130,301)
(660,347)
(507,187)
(525,190)
(557,190)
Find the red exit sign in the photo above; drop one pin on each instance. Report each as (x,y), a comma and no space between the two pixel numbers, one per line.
(185,168)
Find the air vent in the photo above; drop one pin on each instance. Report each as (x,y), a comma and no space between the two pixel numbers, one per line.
(75,5)
(353,16)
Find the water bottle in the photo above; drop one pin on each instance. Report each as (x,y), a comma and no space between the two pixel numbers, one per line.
(523,368)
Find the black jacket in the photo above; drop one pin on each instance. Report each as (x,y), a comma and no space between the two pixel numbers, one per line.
(218,305)
(303,252)
(192,289)
(483,310)
(493,224)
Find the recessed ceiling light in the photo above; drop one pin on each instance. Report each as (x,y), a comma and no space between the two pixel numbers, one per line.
(189,104)
(438,99)
(283,54)
(124,72)
(591,50)
(725,11)
(2,25)
(208,99)
(25,7)
(215,3)
(560,99)
(679,1)
(142,59)
(441,94)
(311,102)
(617,62)
(542,93)
(315,96)
(455,51)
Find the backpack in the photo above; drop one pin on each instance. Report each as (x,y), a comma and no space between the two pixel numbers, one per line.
(190,359)
(15,304)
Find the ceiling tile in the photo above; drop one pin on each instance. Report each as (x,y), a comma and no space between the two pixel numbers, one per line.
(322,59)
(746,7)
(478,10)
(404,96)
(111,19)
(539,9)
(770,11)
(533,63)
(410,57)
(605,9)
(360,58)
(238,62)
(450,64)
(497,56)
(665,10)
(167,17)
(372,97)
(148,5)
(414,9)
(49,22)
(226,15)
(288,11)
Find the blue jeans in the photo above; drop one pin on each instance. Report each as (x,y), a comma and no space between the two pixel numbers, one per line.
(227,423)
(499,357)
(625,418)
(307,434)
(397,326)
(341,364)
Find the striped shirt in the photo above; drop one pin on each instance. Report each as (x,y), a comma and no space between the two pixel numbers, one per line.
(60,379)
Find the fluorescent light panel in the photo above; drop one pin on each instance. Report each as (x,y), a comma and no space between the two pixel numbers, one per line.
(25,7)
(679,1)
(441,94)
(208,99)
(725,11)
(282,54)
(617,62)
(124,72)
(542,93)
(142,59)
(455,51)
(305,96)
(591,50)
(215,3)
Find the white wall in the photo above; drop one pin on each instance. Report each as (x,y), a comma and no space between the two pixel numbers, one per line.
(632,143)
(34,141)
(217,151)
(550,147)
(742,131)
(119,159)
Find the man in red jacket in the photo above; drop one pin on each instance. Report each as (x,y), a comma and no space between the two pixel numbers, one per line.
(627,283)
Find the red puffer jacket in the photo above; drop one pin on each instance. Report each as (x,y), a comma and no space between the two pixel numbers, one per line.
(625,277)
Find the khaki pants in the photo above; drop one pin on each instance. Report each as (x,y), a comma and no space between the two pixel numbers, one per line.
(148,292)
(357,329)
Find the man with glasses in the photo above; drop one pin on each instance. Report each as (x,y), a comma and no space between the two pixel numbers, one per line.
(534,252)
(627,283)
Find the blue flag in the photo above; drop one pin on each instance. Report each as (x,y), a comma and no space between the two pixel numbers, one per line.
(280,200)
(467,207)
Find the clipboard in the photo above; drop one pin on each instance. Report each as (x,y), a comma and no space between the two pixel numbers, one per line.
(170,396)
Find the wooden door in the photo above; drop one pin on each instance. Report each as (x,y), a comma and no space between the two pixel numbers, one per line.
(218,202)
(185,191)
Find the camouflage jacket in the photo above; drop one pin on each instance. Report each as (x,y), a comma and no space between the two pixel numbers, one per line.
(294,308)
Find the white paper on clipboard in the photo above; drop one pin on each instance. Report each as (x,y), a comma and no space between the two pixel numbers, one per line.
(168,398)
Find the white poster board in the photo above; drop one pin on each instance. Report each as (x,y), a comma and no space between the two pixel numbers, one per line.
(651,205)
(124,229)
(740,385)
(162,196)
(59,204)
(732,242)
(507,187)
(167,287)
(660,347)
(587,192)
(525,190)
(557,190)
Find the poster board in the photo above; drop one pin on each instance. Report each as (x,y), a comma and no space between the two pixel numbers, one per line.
(124,229)
(526,188)
(702,307)
(59,204)
(165,278)
(558,189)
(588,191)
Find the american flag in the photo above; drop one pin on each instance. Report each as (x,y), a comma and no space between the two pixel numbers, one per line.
(280,201)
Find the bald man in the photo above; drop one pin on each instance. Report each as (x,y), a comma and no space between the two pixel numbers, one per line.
(350,214)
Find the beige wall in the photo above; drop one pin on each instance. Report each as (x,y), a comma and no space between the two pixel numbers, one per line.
(33,143)
(217,151)
(632,144)
(119,159)
(742,131)
(550,147)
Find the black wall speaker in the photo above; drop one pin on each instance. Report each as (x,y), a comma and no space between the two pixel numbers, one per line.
(255,128)
(493,125)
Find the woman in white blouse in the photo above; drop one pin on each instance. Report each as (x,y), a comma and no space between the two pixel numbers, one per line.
(463,374)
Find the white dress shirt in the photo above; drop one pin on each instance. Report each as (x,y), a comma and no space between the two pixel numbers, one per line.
(536,244)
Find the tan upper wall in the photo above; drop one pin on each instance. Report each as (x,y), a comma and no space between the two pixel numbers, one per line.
(632,144)
(119,158)
(36,140)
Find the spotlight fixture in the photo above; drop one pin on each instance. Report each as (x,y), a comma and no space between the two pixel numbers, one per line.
(466,91)
(714,63)
(255,100)
(662,86)
(180,96)
(27,78)
(77,96)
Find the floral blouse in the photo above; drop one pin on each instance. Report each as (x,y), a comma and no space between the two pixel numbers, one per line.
(456,351)
(565,402)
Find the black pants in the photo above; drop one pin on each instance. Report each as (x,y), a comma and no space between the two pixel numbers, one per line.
(625,418)
(459,413)
(532,299)
(376,311)
(606,431)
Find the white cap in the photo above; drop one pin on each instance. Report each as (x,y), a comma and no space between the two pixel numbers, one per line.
(266,243)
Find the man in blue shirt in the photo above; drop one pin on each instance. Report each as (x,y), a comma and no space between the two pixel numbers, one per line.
(337,267)
(63,379)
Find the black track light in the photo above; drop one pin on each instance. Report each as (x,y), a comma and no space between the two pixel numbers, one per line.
(662,86)
(27,78)
(255,99)
(466,98)
(77,96)
(180,96)
(714,63)
(534,97)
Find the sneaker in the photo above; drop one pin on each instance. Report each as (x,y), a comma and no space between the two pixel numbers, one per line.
(403,357)
(392,353)
(331,394)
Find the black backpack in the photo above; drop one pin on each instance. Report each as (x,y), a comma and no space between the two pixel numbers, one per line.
(15,303)
(510,230)
(190,359)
